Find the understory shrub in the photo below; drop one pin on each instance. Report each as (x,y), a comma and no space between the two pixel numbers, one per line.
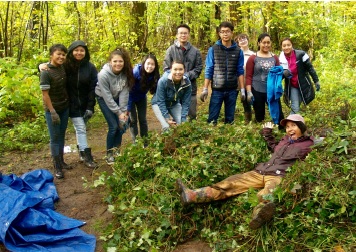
(315,203)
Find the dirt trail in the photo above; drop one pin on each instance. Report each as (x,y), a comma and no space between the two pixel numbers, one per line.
(77,201)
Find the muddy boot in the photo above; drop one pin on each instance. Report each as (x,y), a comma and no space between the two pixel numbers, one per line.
(57,164)
(248,117)
(262,213)
(188,196)
(81,154)
(88,159)
(64,165)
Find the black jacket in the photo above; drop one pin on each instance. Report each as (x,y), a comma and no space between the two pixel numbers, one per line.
(305,70)
(81,82)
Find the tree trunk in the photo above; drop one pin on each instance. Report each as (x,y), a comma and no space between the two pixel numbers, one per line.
(140,26)
(79,22)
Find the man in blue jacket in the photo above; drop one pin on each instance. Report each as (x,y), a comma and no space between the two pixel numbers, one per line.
(224,71)
(192,60)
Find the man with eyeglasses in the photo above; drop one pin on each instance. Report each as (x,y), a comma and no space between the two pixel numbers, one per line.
(224,72)
(242,40)
(192,59)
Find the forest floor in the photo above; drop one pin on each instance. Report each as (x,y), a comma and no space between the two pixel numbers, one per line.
(76,200)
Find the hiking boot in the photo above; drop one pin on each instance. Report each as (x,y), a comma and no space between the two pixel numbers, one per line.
(88,159)
(110,160)
(57,165)
(262,213)
(248,117)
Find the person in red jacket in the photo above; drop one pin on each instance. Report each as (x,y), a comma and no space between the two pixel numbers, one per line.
(295,145)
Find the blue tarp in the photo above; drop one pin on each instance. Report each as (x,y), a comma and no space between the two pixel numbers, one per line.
(28,221)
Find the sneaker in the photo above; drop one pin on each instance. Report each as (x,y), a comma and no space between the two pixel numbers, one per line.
(110,160)
(59,174)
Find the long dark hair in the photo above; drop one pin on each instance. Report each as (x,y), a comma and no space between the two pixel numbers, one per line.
(127,69)
(149,80)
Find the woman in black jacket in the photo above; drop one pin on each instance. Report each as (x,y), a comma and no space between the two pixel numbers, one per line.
(81,82)
(298,86)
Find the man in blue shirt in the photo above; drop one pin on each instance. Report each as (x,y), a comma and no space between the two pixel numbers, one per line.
(224,72)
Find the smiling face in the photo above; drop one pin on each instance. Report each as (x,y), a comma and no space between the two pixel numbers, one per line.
(293,131)
(117,63)
(177,71)
(287,47)
(243,42)
(79,53)
(57,58)
(182,35)
(265,44)
(149,65)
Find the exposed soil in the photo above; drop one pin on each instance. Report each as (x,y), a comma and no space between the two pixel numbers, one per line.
(77,201)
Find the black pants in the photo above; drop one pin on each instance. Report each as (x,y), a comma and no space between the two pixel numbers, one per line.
(259,105)
(138,111)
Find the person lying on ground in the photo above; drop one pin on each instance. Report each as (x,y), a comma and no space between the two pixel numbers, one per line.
(295,145)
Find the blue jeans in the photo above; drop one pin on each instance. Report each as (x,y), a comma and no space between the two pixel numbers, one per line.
(139,111)
(114,135)
(295,99)
(81,132)
(175,111)
(57,132)
(229,98)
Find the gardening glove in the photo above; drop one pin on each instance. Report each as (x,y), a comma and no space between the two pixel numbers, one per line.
(287,74)
(243,95)
(250,97)
(269,125)
(317,86)
(87,115)
(55,118)
(204,94)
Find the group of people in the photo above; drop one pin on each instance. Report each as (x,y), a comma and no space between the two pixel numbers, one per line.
(71,86)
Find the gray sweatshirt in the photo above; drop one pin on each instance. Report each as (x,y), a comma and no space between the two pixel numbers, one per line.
(112,87)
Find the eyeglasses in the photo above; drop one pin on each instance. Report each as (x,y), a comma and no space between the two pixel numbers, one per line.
(225,32)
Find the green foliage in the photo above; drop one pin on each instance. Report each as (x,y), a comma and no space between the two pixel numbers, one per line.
(22,125)
(315,202)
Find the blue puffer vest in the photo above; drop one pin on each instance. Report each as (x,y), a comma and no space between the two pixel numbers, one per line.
(225,67)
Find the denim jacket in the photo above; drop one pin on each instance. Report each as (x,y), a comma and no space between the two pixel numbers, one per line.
(167,96)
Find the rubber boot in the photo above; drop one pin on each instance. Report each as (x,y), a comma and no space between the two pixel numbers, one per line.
(81,154)
(262,213)
(189,196)
(248,117)
(64,165)
(57,165)
(88,158)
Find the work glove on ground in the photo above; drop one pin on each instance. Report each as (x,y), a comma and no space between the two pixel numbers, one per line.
(204,94)
(250,97)
(55,118)
(87,115)
(243,95)
(317,86)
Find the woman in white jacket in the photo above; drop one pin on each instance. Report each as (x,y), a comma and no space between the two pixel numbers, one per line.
(114,83)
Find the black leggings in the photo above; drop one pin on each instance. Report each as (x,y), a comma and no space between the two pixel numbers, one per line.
(259,105)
